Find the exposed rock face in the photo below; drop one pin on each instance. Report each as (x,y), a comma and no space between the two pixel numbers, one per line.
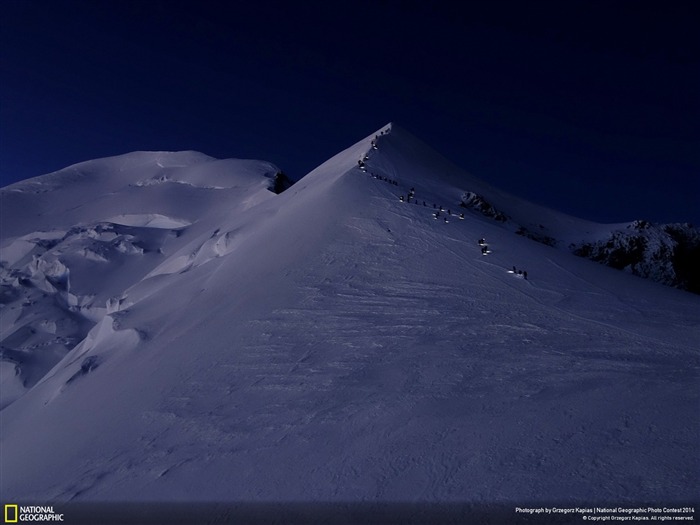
(538,236)
(477,202)
(666,253)
(281,182)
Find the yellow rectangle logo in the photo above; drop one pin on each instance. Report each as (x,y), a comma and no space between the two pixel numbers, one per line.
(11,513)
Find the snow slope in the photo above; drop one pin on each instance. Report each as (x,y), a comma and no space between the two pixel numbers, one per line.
(330,343)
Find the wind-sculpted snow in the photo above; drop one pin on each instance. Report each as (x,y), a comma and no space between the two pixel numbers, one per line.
(69,277)
(57,285)
(337,343)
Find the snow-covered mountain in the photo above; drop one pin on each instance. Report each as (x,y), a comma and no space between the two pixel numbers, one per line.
(177,328)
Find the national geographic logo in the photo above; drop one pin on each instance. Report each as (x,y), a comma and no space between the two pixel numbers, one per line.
(11,513)
(30,513)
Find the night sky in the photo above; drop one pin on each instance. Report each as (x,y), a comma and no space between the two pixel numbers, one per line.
(592,108)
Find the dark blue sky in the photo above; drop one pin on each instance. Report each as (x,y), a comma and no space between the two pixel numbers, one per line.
(589,107)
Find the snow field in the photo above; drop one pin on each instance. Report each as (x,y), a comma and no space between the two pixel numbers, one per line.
(340,345)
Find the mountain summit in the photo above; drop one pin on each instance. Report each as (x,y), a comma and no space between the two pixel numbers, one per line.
(385,329)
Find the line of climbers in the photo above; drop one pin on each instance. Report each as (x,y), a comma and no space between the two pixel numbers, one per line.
(362,163)
(437,214)
(411,197)
(385,179)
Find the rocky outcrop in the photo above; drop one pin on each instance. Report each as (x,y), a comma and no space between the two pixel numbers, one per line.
(280,183)
(665,253)
(476,202)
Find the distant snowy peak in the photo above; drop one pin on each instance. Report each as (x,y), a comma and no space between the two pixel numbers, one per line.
(181,185)
(146,168)
(117,169)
